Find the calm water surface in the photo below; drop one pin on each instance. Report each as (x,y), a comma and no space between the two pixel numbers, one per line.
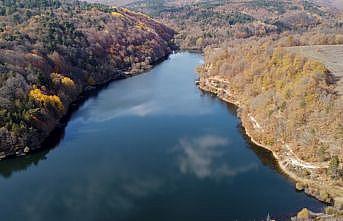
(150,148)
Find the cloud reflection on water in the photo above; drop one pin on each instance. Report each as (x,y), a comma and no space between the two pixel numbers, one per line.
(203,157)
(142,109)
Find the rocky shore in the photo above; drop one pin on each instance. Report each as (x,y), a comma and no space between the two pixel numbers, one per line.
(288,162)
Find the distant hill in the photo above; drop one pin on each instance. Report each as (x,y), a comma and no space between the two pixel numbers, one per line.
(150,2)
(209,23)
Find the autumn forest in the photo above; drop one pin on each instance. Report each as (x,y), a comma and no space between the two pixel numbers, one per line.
(279,62)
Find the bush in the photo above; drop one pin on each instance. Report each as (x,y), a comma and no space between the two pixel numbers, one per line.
(334,167)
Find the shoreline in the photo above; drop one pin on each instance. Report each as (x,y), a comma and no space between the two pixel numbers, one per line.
(310,187)
(248,133)
(86,93)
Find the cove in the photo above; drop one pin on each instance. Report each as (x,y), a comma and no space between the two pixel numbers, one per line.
(148,148)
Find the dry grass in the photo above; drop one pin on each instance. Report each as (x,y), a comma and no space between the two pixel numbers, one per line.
(335,3)
(113,2)
(330,55)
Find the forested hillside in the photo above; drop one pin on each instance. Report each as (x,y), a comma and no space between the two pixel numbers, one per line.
(209,23)
(51,51)
(288,103)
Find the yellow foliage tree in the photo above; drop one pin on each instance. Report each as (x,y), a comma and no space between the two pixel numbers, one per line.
(68,82)
(37,95)
(58,79)
(117,14)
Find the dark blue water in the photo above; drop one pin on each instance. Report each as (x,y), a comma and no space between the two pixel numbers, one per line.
(150,148)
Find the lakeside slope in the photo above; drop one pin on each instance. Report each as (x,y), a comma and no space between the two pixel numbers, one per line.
(51,52)
(290,104)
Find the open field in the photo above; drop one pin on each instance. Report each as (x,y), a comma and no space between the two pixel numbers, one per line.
(334,3)
(330,55)
(113,2)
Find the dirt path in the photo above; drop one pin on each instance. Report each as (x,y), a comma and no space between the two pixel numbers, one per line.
(289,157)
(294,160)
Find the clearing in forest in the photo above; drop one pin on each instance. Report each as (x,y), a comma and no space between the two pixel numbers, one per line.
(330,55)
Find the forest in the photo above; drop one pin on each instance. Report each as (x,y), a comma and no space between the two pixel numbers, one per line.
(287,102)
(209,23)
(274,85)
(52,51)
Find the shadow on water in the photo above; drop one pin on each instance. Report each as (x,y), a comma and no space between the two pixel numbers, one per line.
(266,157)
(16,164)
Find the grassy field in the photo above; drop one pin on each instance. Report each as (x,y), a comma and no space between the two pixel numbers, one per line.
(330,55)
(335,3)
(113,2)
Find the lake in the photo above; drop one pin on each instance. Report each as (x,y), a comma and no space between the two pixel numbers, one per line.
(150,148)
